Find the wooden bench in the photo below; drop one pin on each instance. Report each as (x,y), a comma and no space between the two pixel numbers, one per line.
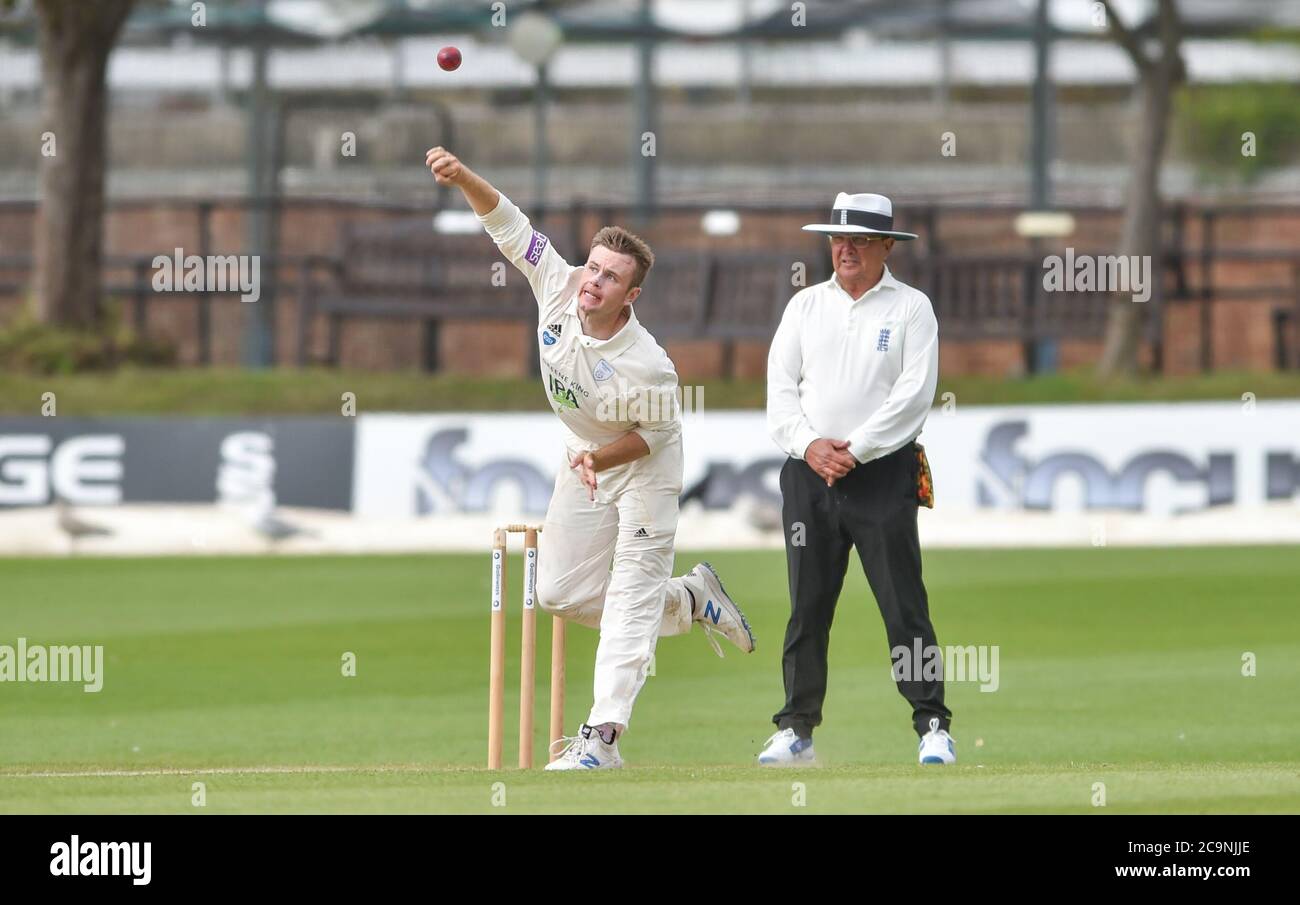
(406,271)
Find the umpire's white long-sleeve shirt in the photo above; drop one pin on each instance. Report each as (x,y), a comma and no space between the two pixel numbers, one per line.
(862,370)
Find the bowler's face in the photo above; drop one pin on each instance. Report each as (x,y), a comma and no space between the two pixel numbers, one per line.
(607,283)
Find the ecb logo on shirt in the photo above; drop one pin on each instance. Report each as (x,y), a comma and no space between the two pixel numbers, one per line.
(548,338)
(882,342)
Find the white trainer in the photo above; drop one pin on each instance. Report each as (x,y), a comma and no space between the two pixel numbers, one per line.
(937,746)
(716,611)
(586,751)
(787,749)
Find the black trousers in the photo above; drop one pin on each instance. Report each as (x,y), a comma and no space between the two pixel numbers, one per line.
(873,508)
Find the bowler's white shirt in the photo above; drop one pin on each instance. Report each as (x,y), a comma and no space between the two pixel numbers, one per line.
(862,370)
(600,388)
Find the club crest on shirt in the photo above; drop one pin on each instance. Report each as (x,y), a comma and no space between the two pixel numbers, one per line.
(548,338)
(536,246)
(882,341)
(603,370)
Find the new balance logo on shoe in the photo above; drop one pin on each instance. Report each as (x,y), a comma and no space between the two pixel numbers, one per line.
(712,612)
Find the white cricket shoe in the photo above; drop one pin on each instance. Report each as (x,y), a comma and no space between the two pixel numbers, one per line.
(716,611)
(586,751)
(787,749)
(937,746)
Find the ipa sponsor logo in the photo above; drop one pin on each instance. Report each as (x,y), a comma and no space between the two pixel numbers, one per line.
(213,273)
(78,663)
(103,859)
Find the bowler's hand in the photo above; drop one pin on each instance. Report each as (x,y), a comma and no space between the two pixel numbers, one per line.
(586,465)
(831,459)
(445,166)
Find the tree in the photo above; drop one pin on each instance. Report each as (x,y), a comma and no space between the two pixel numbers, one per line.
(76,38)
(1160,71)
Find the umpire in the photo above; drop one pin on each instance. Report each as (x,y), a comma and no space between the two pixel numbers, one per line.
(851,376)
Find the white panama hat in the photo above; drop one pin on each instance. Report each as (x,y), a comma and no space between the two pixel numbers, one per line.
(865,213)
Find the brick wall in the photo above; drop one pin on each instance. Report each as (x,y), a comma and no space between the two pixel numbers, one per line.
(1242,330)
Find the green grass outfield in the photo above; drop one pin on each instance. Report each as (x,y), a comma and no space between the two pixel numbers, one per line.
(229,391)
(1117,666)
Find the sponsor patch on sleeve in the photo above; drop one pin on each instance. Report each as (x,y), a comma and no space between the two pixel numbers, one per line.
(536,246)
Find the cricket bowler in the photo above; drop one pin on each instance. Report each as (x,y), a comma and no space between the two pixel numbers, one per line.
(616,495)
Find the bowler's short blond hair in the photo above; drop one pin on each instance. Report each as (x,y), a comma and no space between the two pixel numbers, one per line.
(616,238)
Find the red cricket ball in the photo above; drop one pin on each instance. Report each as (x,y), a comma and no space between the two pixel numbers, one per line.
(449,58)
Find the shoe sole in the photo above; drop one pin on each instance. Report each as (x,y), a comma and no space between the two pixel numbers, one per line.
(788,763)
(744,623)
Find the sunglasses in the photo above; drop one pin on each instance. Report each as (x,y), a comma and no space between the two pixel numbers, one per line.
(858,241)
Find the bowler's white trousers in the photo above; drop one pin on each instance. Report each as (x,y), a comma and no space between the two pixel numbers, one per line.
(632,523)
